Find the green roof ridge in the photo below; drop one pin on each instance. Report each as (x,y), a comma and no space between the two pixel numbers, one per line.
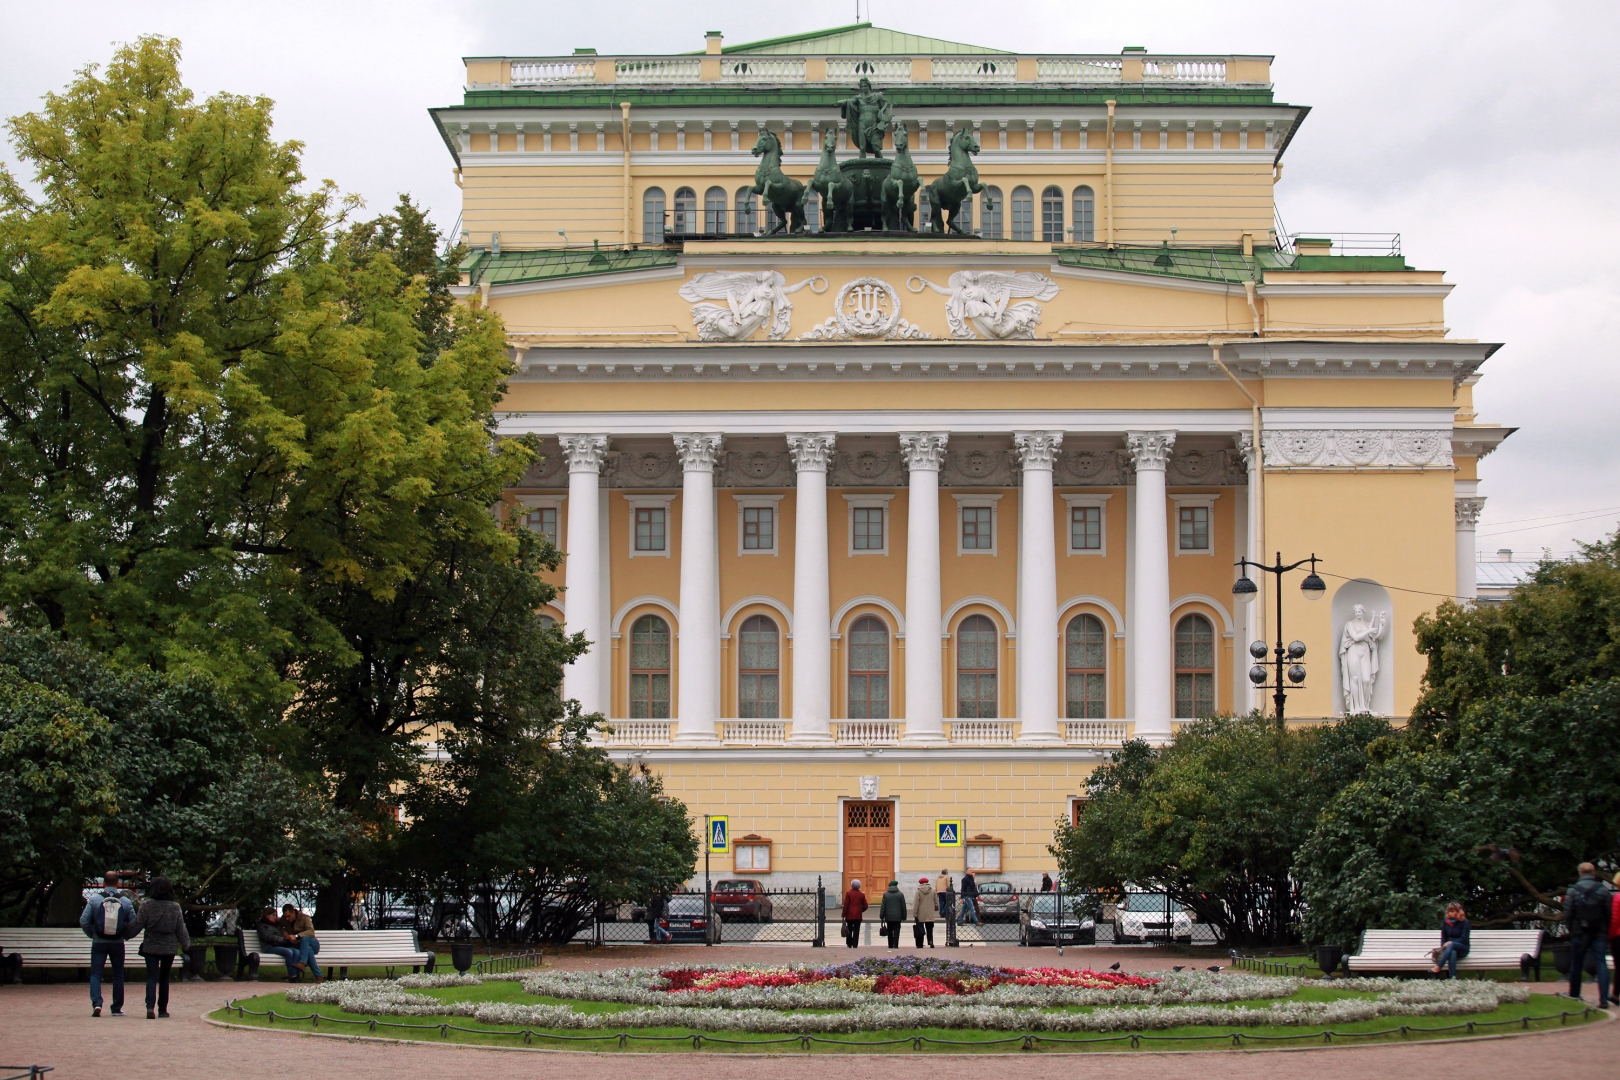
(789,39)
(544,264)
(908,43)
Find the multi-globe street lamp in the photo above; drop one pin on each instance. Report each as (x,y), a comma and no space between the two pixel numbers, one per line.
(1286,658)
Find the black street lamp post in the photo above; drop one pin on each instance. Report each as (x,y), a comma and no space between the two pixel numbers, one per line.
(1287,659)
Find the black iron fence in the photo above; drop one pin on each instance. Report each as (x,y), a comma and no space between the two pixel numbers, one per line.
(716,917)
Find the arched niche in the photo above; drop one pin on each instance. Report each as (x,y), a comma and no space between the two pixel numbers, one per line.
(1373,599)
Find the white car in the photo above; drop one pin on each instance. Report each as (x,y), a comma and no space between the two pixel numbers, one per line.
(1141,917)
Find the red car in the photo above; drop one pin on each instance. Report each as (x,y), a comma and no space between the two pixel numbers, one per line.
(742,899)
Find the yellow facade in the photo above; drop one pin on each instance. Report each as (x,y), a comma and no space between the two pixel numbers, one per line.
(766,433)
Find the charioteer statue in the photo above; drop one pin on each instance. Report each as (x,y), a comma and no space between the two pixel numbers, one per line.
(869,115)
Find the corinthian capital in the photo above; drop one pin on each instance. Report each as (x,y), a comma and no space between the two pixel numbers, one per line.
(1150,450)
(585,453)
(1468,511)
(1037,449)
(698,450)
(924,451)
(811,450)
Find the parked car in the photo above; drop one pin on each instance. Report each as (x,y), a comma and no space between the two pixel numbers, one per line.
(1042,922)
(684,921)
(1141,917)
(743,899)
(997,902)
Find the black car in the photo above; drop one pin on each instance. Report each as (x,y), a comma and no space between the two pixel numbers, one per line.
(684,920)
(1042,922)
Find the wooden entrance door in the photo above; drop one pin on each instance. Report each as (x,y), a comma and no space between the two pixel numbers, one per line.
(869,848)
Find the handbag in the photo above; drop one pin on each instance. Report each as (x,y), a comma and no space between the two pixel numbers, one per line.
(1434,954)
(917,933)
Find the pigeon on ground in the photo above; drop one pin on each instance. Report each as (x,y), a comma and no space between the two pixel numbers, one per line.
(1114,966)
(1214,968)
(1178,967)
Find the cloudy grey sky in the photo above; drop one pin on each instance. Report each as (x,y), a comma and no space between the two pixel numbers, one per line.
(1484,132)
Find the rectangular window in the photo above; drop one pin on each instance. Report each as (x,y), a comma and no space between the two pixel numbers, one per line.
(543,520)
(759,528)
(755,857)
(1195,694)
(1085,528)
(650,529)
(1194,528)
(976,529)
(868,528)
(984,858)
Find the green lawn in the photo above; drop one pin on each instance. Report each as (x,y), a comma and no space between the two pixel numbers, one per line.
(1542,1012)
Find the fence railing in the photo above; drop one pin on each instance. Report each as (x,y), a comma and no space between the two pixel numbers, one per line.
(658,71)
(878,69)
(983,732)
(728,918)
(1344,243)
(1096,732)
(763,69)
(496,965)
(1165,69)
(975,70)
(552,72)
(753,732)
(866,732)
(1081,70)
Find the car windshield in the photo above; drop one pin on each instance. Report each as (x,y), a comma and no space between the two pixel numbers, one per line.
(1142,901)
(733,886)
(995,887)
(685,905)
(1047,904)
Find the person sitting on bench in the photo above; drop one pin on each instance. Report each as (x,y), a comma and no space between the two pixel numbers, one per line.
(299,930)
(273,938)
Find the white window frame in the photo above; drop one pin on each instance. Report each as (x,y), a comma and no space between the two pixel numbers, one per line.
(866,502)
(546,502)
(761,502)
(1089,502)
(978,502)
(756,845)
(650,502)
(1207,502)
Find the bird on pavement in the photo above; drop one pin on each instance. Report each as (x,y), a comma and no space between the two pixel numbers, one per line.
(1215,968)
(1178,967)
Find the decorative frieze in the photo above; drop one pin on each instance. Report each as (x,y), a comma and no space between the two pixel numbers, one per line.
(865,309)
(1206,468)
(978,468)
(1356,448)
(756,468)
(867,468)
(1091,468)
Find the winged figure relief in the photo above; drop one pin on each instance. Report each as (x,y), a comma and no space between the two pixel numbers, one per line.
(983,301)
(752,299)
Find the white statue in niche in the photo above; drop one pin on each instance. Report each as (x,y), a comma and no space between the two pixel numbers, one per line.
(981,300)
(1358,659)
(752,299)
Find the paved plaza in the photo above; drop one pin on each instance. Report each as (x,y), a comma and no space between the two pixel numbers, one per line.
(51,1025)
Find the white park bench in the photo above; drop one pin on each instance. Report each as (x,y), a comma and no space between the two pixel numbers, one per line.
(1410,950)
(57,947)
(343,949)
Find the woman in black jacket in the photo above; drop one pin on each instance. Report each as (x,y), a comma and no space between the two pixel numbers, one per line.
(1453,939)
(165,927)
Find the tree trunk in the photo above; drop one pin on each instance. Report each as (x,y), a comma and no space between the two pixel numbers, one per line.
(332,905)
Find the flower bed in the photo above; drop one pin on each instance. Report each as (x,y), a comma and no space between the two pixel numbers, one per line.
(896,976)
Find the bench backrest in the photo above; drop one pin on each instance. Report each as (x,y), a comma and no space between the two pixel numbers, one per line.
(347,945)
(1484,945)
(54,946)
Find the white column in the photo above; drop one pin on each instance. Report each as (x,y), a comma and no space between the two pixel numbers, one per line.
(925,692)
(812,603)
(1253,604)
(582,571)
(1150,603)
(1038,668)
(698,697)
(1468,510)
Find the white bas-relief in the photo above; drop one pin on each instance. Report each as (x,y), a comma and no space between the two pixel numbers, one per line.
(1358,659)
(865,309)
(982,300)
(752,299)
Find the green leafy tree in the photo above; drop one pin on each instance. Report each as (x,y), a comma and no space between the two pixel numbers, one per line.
(1214,819)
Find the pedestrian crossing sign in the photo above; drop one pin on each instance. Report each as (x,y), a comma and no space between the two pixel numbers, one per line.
(948,833)
(719,835)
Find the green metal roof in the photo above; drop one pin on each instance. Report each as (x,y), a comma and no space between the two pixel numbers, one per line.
(1349,262)
(918,95)
(858,38)
(514,267)
(1226,265)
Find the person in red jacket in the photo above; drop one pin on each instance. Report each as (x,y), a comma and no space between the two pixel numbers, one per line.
(855,906)
(1614,938)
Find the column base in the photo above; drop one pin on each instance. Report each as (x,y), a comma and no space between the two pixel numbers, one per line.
(695,739)
(1040,738)
(924,738)
(811,739)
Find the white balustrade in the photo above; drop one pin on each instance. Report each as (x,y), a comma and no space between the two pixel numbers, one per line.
(1096,732)
(866,732)
(1172,70)
(975,70)
(879,70)
(638,732)
(1079,70)
(983,732)
(552,72)
(659,72)
(763,69)
(753,732)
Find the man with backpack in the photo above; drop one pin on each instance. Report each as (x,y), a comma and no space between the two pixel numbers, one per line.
(1586,913)
(105,922)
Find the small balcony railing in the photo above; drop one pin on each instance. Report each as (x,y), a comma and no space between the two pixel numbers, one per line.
(867,732)
(1096,732)
(753,732)
(638,732)
(983,732)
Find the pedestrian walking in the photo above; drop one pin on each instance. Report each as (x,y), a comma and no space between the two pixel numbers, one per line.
(165,926)
(655,911)
(855,906)
(1046,882)
(1453,940)
(274,939)
(106,921)
(970,900)
(300,932)
(925,910)
(1586,912)
(1614,939)
(892,912)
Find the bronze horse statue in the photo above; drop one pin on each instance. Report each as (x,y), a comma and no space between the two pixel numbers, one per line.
(900,188)
(960,182)
(836,190)
(784,194)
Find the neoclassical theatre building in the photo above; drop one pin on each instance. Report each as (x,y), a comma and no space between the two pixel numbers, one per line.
(906,405)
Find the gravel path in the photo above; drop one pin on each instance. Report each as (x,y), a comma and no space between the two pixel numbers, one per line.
(51,1025)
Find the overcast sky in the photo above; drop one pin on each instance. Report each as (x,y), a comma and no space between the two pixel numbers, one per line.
(1484,132)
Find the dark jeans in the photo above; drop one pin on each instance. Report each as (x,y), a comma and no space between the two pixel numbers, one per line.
(100,953)
(157,981)
(1449,955)
(1581,948)
(892,929)
(289,955)
(970,912)
(928,932)
(852,933)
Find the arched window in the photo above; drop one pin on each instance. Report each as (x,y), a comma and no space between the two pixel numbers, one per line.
(771,220)
(758,671)
(649,669)
(1023,213)
(714,210)
(976,669)
(868,670)
(1085,213)
(812,211)
(1085,661)
(747,220)
(1052,215)
(992,209)
(685,217)
(652,216)
(1195,668)
(547,622)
